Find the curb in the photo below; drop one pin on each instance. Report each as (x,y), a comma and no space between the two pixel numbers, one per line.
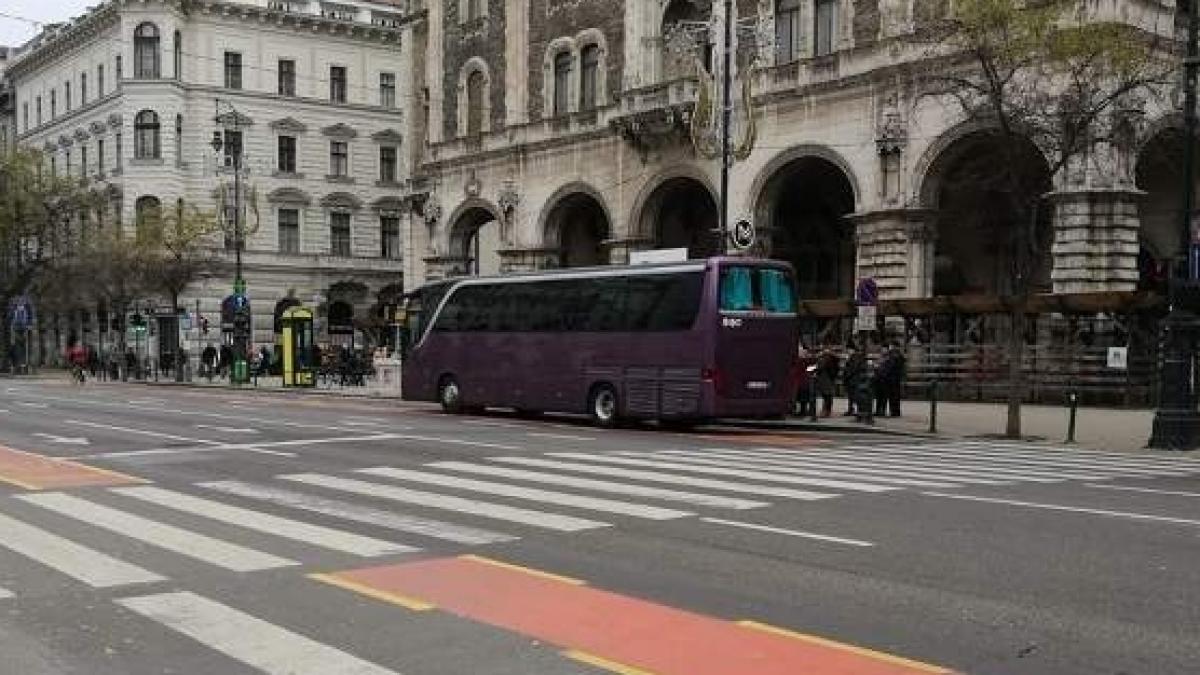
(824,427)
(306,391)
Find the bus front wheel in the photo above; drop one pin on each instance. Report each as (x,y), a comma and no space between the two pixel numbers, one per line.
(604,405)
(449,395)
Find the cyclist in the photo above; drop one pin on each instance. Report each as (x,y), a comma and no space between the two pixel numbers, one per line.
(77,361)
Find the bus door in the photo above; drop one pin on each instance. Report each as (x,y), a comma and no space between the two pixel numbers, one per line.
(757,333)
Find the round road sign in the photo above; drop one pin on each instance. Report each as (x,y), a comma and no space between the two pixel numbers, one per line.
(742,234)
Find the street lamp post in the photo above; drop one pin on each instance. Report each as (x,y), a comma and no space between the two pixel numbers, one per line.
(1176,422)
(241,337)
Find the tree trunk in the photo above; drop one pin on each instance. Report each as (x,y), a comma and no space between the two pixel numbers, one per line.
(1016,371)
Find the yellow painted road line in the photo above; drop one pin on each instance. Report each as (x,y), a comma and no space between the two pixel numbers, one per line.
(14,481)
(862,651)
(393,598)
(526,570)
(613,666)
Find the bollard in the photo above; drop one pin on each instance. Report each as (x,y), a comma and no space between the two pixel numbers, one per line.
(933,406)
(1073,400)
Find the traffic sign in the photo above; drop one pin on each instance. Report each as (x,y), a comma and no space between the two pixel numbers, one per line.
(21,314)
(742,234)
(867,319)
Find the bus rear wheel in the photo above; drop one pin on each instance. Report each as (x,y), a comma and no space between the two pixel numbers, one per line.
(450,396)
(604,406)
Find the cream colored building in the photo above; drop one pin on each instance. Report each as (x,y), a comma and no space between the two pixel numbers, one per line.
(130,94)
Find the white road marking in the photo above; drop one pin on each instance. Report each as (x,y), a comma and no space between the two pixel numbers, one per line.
(790,533)
(175,539)
(489,423)
(696,498)
(532,494)
(715,459)
(561,437)
(257,643)
(5,593)
(925,469)
(850,467)
(673,479)
(227,430)
(316,535)
(391,520)
(144,401)
(1174,493)
(64,440)
(1080,454)
(1071,509)
(984,464)
(1041,461)
(690,467)
(141,432)
(27,404)
(3,411)
(363,423)
(550,521)
(256,446)
(89,566)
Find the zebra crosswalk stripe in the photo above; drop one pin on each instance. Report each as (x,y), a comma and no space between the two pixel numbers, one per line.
(957,472)
(542,519)
(1031,472)
(664,494)
(78,562)
(546,496)
(1167,462)
(316,535)
(716,459)
(853,467)
(437,529)
(718,471)
(175,539)
(5,593)
(1039,461)
(257,643)
(672,478)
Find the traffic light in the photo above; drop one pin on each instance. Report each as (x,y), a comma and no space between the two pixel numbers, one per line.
(139,323)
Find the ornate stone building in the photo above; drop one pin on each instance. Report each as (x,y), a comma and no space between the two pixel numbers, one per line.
(558,135)
(314,93)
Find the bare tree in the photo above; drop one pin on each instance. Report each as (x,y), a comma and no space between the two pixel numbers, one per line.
(1050,75)
(179,250)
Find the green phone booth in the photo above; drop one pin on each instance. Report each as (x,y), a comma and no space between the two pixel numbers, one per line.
(298,368)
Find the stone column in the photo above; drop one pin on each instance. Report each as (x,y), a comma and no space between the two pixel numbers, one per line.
(896,248)
(1095,240)
(619,249)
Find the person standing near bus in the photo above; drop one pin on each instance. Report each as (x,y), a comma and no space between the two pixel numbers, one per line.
(825,380)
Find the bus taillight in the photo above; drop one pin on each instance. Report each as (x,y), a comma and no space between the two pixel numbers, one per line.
(714,375)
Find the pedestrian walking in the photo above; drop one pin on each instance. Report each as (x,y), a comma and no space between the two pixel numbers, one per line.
(805,375)
(226,362)
(825,380)
(883,380)
(899,372)
(852,374)
(208,361)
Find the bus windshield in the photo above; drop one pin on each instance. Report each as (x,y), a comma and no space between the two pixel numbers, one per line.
(757,289)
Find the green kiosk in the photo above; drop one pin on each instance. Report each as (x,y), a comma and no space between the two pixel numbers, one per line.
(298,368)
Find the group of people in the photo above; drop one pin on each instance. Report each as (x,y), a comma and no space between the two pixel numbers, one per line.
(874,387)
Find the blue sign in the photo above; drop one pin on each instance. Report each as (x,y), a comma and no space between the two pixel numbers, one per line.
(21,315)
(867,292)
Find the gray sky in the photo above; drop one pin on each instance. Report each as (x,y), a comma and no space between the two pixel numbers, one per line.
(15,32)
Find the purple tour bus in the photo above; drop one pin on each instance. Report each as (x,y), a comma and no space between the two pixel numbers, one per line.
(679,342)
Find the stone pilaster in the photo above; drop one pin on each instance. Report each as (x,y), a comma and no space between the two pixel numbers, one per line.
(896,248)
(1095,240)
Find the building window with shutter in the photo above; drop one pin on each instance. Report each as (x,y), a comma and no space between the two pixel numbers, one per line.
(387,90)
(287,154)
(339,159)
(233,70)
(289,231)
(589,77)
(825,32)
(387,164)
(562,83)
(339,234)
(145,51)
(287,77)
(337,84)
(389,237)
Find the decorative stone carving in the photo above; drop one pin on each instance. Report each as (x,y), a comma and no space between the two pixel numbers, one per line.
(289,124)
(289,195)
(473,187)
(509,198)
(97,128)
(81,135)
(340,131)
(114,121)
(387,137)
(234,119)
(343,200)
(891,135)
(65,141)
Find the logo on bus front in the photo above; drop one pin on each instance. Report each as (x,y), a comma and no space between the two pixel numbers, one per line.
(731,322)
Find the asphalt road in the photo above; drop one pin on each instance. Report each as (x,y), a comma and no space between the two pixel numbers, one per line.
(210,532)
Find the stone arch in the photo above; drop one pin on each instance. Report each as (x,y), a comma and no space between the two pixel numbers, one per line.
(576,222)
(676,210)
(1158,175)
(974,221)
(280,307)
(802,199)
(474,236)
(924,184)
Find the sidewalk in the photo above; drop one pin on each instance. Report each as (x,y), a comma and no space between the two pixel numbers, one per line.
(1120,429)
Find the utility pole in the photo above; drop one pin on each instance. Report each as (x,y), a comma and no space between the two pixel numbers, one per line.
(1176,422)
(726,120)
(241,322)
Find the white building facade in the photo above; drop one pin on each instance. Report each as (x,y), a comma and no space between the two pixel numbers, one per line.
(315,93)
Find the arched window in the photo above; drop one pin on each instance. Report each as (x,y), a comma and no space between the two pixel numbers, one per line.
(589,76)
(562,83)
(475,92)
(146,136)
(147,216)
(145,51)
(178,56)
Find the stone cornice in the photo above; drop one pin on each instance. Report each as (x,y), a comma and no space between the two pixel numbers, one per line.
(313,23)
(74,35)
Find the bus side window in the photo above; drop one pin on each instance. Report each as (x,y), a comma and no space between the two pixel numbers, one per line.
(737,289)
(607,309)
(776,290)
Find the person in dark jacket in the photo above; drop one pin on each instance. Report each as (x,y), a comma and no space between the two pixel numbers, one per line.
(825,380)
(857,378)
(897,371)
(805,400)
